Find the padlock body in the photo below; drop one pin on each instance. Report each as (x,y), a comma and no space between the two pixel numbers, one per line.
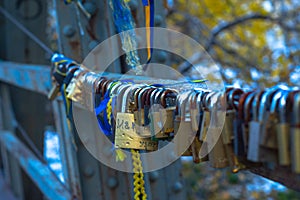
(283,138)
(127,137)
(217,155)
(295,152)
(184,138)
(156,126)
(254,137)
(167,118)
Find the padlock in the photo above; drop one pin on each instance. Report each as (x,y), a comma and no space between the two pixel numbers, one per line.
(196,145)
(156,123)
(239,123)
(204,122)
(283,132)
(203,152)
(195,111)
(125,132)
(254,130)
(167,112)
(217,154)
(295,134)
(61,66)
(228,129)
(139,99)
(142,130)
(206,117)
(115,91)
(247,112)
(269,144)
(185,135)
(268,118)
(147,105)
(134,103)
(192,149)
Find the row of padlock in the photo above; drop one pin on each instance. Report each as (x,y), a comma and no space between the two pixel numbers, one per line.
(256,124)
(232,128)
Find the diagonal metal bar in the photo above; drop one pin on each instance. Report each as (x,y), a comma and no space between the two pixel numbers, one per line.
(31,77)
(37,171)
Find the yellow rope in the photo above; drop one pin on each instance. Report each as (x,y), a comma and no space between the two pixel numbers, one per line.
(109,110)
(139,184)
(120,155)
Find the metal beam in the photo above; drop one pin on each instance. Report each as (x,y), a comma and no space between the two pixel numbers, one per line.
(36,78)
(39,172)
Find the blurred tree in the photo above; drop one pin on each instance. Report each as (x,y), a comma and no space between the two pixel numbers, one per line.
(256,41)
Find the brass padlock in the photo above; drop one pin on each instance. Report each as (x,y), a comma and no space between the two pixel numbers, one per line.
(283,132)
(204,122)
(194,148)
(167,112)
(195,111)
(227,137)
(295,134)
(125,131)
(217,154)
(268,119)
(184,137)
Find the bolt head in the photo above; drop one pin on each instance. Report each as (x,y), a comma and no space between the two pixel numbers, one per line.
(88,171)
(158,20)
(69,31)
(153,176)
(90,7)
(177,187)
(112,182)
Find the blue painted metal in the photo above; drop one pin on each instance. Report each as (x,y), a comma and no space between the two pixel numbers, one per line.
(36,78)
(39,172)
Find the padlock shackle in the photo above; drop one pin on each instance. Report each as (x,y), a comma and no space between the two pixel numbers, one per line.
(184,105)
(255,105)
(152,97)
(296,109)
(193,100)
(104,86)
(120,94)
(158,95)
(126,95)
(275,100)
(140,99)
(267,99)
(206,100)
(114,88)
(241,104)
(233,97)
(164,96)
(98,84)
(180,103)
(282,107)
(248,106)
(213,99)
(148,96)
